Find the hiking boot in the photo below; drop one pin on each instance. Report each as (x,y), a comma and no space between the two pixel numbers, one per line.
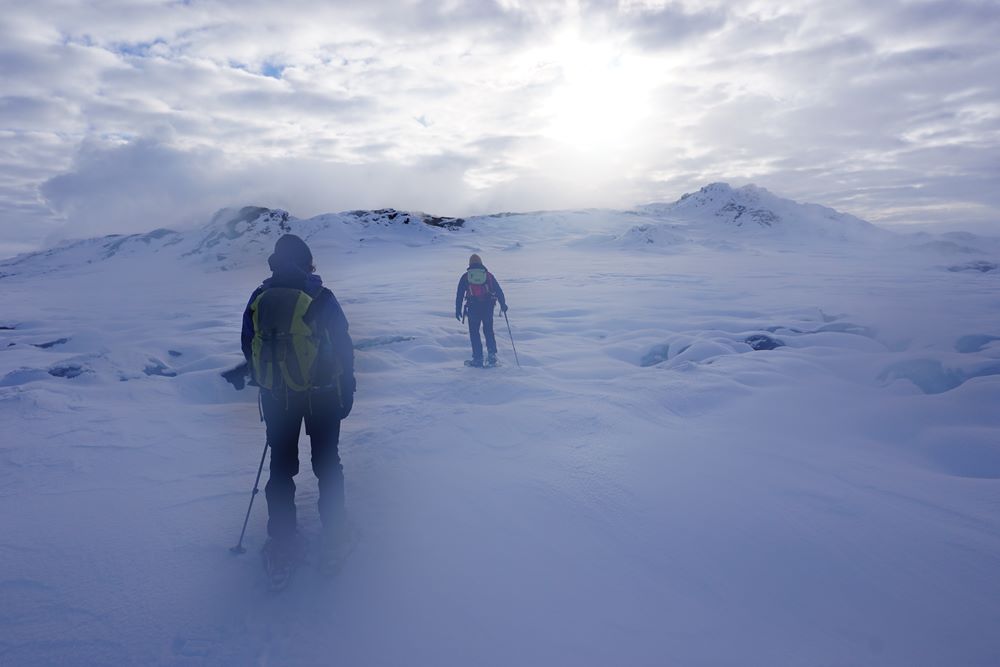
(491,360)
(475,363)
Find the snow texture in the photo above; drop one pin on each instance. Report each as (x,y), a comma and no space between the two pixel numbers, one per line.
(744,431)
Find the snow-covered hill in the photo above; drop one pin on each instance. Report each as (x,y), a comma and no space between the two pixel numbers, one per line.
(725,445)
(755,210)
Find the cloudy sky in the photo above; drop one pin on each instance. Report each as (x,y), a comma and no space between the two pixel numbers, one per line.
(124,115)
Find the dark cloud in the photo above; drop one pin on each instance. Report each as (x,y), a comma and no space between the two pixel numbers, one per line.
(143,184)
(134,185)
(32,113)
(284,102)
(670,26)
(18,63)
(933,15)
(923,57)
(499,144)
(488,16)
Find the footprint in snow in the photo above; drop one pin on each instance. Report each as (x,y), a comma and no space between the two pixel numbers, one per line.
(378,341)
(158,368)
(967,455)
(974,343)
(51,343)
(930,375)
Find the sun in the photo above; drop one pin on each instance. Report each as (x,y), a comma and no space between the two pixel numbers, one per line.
(601,97)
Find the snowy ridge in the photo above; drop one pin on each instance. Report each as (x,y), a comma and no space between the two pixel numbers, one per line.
(652,234)
(69,254)
(717,216)
(390,216)
(251,222)
(235,237)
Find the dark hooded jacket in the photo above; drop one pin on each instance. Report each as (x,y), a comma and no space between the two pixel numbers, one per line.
(324,311)
(492,286)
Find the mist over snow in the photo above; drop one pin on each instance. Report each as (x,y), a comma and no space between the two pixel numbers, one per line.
(744,430)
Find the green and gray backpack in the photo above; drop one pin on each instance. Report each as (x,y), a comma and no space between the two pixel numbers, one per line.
(286,349)
(480,287)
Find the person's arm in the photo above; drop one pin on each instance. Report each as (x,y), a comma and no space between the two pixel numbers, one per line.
(463,286)
(246,337)
(343,346)
(499,293)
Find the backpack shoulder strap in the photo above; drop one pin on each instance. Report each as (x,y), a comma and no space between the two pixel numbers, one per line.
(319,302)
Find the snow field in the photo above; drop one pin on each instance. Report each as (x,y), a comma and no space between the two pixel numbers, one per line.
(646,489)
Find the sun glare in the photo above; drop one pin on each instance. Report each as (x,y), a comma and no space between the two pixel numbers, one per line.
(602,96)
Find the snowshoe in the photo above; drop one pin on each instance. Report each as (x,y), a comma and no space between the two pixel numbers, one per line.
(491,361)
(474,363)
(281,558)
(336,547)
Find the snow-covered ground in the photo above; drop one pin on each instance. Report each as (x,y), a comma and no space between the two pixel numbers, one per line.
(646,489)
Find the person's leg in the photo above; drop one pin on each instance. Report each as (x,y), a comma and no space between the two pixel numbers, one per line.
(284,420)
(475,321)
(323,428)
(491,339)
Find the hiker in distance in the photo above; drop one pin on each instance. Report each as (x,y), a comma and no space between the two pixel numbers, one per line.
(296,342)
(479,291)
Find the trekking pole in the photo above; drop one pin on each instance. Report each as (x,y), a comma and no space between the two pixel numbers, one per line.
(511,338)
(238,549)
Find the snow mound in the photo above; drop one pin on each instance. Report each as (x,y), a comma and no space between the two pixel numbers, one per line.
(650,234)
(77,253)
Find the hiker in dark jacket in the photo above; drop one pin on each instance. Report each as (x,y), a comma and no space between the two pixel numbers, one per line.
(274,343)
(480,291)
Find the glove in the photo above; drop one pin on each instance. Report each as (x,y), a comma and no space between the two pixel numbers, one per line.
(348,403)
(347,396)
(237,376)
(458,315)
(503,307)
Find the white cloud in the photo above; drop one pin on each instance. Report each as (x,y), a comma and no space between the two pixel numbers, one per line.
(889,110)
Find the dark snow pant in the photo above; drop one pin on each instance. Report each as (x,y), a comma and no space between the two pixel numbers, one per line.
(481,315)
(284,419)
